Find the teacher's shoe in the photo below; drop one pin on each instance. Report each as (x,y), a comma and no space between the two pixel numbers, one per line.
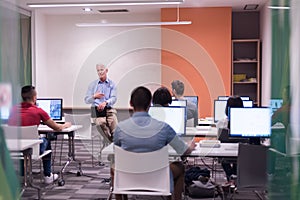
(51,178)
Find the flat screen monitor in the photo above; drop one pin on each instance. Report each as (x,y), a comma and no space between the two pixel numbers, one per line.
(250,122)
(220,105)
(194,100)
(4,112)
(226,97)
(219,110)
(53,106)
(176,102)
(275,104)
(247,103)
(174,116)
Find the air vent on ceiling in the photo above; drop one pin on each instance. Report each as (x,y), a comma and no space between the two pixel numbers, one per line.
(114,11)
(251,7)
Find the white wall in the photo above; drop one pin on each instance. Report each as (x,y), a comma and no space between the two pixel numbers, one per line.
(66,56)
(266,36)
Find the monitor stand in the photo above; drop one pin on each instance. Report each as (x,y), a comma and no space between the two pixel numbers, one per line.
(254,140)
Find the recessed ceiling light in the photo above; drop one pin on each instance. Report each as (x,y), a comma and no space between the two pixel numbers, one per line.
(87,9)
(251,7)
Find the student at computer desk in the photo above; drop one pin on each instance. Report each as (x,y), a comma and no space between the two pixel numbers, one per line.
(230,168)
(28,114)
(162,97)
(150,135)
(178,92)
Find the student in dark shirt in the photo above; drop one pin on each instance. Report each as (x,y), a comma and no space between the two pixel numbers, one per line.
(230,168)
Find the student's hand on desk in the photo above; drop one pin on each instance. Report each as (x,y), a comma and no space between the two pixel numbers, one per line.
(192,145)
(67,125)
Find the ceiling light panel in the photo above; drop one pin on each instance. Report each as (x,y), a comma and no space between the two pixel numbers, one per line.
(134,24)
(102,3)
(279,7)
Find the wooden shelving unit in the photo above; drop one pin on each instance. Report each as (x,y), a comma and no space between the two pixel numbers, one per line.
(245,70)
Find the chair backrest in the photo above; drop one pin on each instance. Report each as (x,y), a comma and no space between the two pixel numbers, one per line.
(22,132)
(223,134)
(190,122)
(252,166)
(81,119)
(139,173)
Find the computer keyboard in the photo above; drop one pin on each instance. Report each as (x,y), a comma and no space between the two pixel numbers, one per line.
(210,143)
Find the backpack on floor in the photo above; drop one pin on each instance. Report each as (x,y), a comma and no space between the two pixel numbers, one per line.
(199,185)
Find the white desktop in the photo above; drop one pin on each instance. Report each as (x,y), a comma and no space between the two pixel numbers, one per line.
(174,116)
(176,102)
(220,105)
(250,122)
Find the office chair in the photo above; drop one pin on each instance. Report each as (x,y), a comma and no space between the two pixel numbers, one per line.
(26,132)
(84,133)
(251,169)
(141,173)
(81,119)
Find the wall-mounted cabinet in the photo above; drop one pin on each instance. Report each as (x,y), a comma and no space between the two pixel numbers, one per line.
(246,69)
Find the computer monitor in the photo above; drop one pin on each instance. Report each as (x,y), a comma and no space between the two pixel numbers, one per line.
(226,97)
(253,123)
(4,112)
(219,110)
(193,99)
(220,106)
(275,104)
(53,106)
(174,116)
(177,102)
(247,103)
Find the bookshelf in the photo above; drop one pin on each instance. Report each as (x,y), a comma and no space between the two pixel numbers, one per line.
(246,69)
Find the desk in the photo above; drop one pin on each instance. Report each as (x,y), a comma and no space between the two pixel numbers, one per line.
(229,150)
(25,146)
(71,154)
(206,131)
(206,122)
(225,150)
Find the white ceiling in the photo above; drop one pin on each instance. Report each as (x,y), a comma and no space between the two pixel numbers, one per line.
(237,5)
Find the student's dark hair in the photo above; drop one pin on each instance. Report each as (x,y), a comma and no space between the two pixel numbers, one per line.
(141,98)
(27,92)
(233,102)
(162,96)
(178,86)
